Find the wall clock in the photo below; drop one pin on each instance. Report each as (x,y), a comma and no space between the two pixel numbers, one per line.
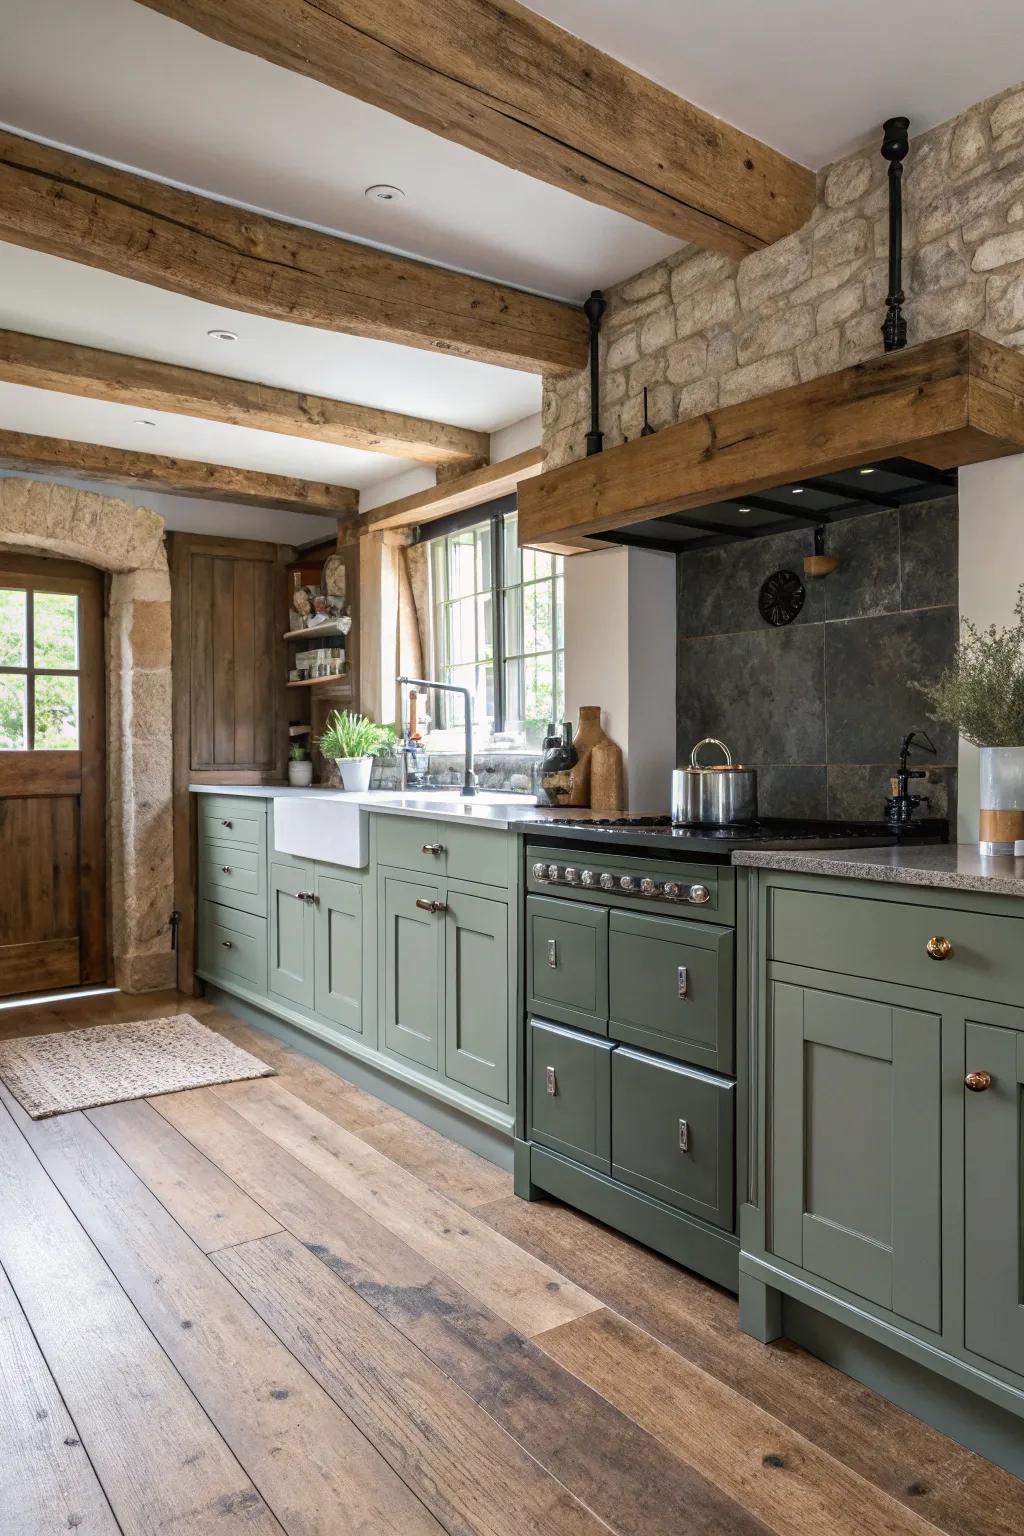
(781,598)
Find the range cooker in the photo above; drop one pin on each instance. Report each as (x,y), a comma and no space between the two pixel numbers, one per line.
(633,1064)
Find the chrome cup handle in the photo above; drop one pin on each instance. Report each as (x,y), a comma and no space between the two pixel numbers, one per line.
(710,741)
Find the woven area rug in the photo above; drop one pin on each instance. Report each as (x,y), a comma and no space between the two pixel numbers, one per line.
(81,1068)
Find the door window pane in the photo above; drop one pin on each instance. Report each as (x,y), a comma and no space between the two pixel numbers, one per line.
(55,630)
(13,627)
(13,724)
(56,704)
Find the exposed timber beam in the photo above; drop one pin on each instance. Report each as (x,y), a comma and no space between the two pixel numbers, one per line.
(153,386)
(66,205)
(184,477)
(471,490)
(956,400)
(508,83)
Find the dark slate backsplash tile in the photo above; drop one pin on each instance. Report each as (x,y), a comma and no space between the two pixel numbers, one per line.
(718,588)
(871,669)
(784,791)
(761,692)
(868,578)
(858,791)
(929,554)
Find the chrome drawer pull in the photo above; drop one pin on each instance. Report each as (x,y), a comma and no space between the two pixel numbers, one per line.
(682,981)
(225,869)
(431,906)
(550,1081)
(684,1136)
(435,848)
(553,954)
(226,944)
(228,824)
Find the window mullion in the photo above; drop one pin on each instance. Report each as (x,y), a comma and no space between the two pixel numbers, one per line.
(30,681)
(498,618)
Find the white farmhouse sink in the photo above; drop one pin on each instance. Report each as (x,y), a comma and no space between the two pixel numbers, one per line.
(325,827)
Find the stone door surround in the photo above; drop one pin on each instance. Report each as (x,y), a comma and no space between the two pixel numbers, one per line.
(40,517)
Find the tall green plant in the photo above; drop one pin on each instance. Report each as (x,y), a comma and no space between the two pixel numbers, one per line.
(982,693)
(351,735)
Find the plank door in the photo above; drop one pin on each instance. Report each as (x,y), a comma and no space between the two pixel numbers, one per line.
(53,897)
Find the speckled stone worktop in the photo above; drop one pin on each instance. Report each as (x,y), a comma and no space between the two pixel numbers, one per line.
(949,866)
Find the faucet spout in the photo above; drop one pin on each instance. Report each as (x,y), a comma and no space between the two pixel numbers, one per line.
(469,775)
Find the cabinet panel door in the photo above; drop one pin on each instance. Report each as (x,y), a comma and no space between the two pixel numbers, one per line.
(570,1093)
(291,934)
(413,965)
(856,1146)
(670,988)
(339,951)
(567,962)
(476,994)
(993,1195)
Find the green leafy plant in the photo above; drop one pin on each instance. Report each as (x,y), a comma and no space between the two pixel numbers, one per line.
(351,735)
(982,693)
(297,752)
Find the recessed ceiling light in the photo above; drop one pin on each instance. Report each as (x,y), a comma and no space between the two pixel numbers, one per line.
(380,192)
(222,335)
(798,490)
(744,510)
(867,471)
(142,422)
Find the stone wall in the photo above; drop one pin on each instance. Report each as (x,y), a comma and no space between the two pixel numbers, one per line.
(701,330)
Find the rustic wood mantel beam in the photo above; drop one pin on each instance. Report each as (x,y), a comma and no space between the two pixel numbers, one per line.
(500,79)
(84,211)
(154,386)
(184,477)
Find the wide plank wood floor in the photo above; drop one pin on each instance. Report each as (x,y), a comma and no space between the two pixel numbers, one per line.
(283,1306)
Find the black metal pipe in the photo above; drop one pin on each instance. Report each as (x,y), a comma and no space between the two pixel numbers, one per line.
(895,145)
(594,309)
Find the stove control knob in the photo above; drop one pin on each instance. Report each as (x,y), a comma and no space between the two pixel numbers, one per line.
(588,878)
(552,871)
(572,875)
(699,895)
(671,890)
(648,887)
(608,882)
(540,871)
(627,883)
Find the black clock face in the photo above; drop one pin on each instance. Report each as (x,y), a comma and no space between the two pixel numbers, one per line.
(781,598)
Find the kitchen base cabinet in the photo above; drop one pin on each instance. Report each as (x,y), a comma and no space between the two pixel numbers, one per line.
(413,965)
(292,926)
(475,956)
(338,951)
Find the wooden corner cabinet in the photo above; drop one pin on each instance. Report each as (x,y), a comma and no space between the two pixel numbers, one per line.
(886,1182)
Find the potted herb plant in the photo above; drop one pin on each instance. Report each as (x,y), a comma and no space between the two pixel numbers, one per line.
(300,766)
(353,742)
(982,695)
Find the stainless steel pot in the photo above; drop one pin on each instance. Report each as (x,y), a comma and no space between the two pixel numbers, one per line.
(717,796)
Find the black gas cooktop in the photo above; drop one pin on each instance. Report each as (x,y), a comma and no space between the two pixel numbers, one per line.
(659,834)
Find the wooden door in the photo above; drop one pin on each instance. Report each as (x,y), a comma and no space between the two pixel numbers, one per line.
(53,919)
(413,968)
(994,1196)
(476,1018)
(856,1146)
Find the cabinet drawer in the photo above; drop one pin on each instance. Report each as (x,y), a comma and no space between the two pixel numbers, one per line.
(472,853)
(409,843)
(235,876)
(670,988)
(672,1134)
(233,944)
(567,962)
(232,820)
(885,940)
(570,1094)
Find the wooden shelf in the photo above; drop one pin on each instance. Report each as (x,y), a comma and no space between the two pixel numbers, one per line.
(312,682)
(317,629)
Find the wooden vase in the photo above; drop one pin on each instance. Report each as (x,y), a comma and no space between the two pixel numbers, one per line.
(607,789)
(588,735)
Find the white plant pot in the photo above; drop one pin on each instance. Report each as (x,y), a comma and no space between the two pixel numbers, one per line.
(355,773)
(300,773)
(1002,799)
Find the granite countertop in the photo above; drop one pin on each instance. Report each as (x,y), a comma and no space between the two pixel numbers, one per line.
(486,809)
(949,866)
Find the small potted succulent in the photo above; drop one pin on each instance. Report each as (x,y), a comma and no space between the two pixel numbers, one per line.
(982,695)
(300,766)
(353,742)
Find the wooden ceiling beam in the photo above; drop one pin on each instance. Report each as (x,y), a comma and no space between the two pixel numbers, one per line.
(117,221)
(503,81)
(470,490)
(956,400)
(96,374)
(182,477)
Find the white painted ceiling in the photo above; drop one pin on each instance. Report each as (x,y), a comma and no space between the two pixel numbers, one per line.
(115,80)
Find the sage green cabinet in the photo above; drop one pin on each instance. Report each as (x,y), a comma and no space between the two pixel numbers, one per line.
(233,945)
(856,1146)
(671,988)
(570,1093)
(475,968)
(567,962)
(338,958)
(413,968)
(994,1197)
(292,928)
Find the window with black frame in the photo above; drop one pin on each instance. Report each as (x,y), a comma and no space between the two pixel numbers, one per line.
(496,626)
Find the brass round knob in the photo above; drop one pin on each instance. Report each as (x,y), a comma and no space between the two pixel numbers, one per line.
(977,1082)
(939,948)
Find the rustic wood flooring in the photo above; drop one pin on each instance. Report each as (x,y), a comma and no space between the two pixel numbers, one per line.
(281,1306)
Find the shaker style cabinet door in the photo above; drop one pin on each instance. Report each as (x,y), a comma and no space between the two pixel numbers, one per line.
(475,994)
(339,952)
(291,933)
(993,1195)
(670,988)
(856,1146)
(567,962)
(412,959)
